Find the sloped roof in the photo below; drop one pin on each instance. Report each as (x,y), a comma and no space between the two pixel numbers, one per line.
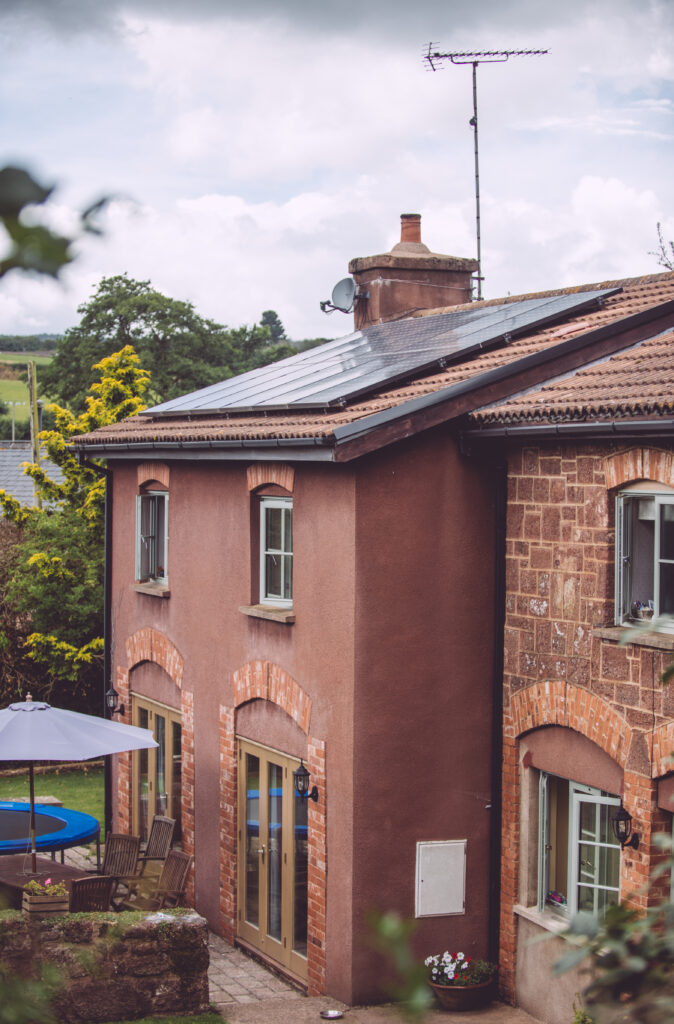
(635,383)
(13,454)
(641,305)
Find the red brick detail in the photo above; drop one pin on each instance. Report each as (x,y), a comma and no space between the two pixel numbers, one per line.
(158,471)
(261,473)
(123,761)
(187,781)
(662,750)
(639,464)
(149,644)
(510,843)
(263,680)
(228,823)
(317,870)
(561,703)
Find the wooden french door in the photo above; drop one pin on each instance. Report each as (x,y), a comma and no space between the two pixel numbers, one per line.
(156,773)
(272,857)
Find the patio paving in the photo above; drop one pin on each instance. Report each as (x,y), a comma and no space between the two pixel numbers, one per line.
(246,992)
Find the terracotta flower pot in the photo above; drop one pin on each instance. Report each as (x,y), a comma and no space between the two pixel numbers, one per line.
(465,997)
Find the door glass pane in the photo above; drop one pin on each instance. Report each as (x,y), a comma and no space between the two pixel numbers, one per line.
(275,850)
(252,832)
(176,776)
(587,863)
(160,756)
(143,778)
(588,821)
(300,881)
(586,898)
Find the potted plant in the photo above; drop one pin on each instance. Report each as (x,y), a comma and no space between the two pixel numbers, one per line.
(459,982)
(45,899)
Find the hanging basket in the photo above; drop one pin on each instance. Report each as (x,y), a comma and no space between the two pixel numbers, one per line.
(465,997)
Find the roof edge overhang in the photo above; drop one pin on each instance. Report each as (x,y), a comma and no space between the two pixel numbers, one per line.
(475,439)
(315,449)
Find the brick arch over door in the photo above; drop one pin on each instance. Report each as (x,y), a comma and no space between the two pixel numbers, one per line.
(150,644)
(264,680)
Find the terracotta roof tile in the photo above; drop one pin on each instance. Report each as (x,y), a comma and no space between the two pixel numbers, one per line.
(637,295)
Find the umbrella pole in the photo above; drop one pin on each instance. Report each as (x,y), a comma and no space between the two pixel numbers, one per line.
(33,855)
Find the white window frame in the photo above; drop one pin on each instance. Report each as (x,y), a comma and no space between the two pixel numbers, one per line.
(163,579)
(623,546)
(275,600)
(578,794)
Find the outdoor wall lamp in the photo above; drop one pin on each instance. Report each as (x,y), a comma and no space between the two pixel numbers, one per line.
(622,829)
(111,701)
(301,777)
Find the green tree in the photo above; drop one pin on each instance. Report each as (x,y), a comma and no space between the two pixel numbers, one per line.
(181,350)
(664,252)
(271,320)
(54,586)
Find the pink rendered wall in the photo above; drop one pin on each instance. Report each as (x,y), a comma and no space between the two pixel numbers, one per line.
(423,697)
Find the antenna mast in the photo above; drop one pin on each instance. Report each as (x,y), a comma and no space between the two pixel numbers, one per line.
(433,57)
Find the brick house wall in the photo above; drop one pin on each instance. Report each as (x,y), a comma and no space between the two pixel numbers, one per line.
(563,665)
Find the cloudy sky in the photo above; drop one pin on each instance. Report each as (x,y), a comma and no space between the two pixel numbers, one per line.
(253,148)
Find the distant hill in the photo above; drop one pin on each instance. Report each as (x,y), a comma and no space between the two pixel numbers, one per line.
(29,342)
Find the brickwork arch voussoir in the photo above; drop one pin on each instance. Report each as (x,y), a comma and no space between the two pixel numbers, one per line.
(150,644)
(574,708)
(639,464)
(263,680)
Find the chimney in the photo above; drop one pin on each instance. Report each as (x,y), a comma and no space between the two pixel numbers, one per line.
(409,279)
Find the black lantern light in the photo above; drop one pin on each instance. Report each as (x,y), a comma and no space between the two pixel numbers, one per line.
(111,701)
(301,777)
(622,829)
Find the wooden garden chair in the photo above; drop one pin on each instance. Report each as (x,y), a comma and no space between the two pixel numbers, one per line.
(159,843)
(168,890)
(92,893)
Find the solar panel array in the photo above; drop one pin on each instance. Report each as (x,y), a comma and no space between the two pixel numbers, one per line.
(377,356)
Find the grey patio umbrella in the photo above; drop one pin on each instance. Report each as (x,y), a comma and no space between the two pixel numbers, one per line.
(34,731)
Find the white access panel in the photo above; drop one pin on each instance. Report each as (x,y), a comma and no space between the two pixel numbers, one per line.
(441,878)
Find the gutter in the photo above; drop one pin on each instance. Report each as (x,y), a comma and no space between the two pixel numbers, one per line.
(316,449)
(596,429)
(107,627)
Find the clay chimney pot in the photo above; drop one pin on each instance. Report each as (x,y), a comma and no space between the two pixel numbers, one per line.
(410,227)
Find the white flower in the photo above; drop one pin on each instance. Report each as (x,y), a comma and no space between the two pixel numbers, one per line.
(460,956)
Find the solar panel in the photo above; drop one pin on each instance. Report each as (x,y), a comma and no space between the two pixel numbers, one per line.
(379,355)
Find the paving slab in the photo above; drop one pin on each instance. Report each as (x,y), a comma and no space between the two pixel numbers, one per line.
(307,1010)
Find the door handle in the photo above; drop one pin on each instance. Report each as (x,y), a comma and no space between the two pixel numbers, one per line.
(261,852)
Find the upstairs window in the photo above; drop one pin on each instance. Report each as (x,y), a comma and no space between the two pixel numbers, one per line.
(276,551)
(578,854)
(152,537)
(644,554)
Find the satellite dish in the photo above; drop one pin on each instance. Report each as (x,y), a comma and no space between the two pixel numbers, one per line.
(343,294)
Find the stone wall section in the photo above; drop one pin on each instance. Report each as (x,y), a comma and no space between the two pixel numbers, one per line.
(228,823)
(562,662)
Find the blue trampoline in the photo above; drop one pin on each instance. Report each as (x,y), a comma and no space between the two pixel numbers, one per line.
(56,828)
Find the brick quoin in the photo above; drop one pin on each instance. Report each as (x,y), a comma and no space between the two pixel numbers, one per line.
(263,680)
(149,644)
(261,473)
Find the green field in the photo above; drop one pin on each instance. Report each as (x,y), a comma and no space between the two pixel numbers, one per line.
(80,789)
(24,357)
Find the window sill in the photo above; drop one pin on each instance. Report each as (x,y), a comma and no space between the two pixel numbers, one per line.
(152,589)
(546,919)
(267,611)
(661,641)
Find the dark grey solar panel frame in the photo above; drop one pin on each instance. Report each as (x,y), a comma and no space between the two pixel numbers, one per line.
(378,356)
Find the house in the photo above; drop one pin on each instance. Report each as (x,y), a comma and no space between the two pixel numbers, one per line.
(322,564)
(13,456)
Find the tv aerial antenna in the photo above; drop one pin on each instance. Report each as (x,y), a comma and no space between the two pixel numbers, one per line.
(435,60)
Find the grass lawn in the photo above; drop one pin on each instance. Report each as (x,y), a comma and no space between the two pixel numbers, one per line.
(80,789)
